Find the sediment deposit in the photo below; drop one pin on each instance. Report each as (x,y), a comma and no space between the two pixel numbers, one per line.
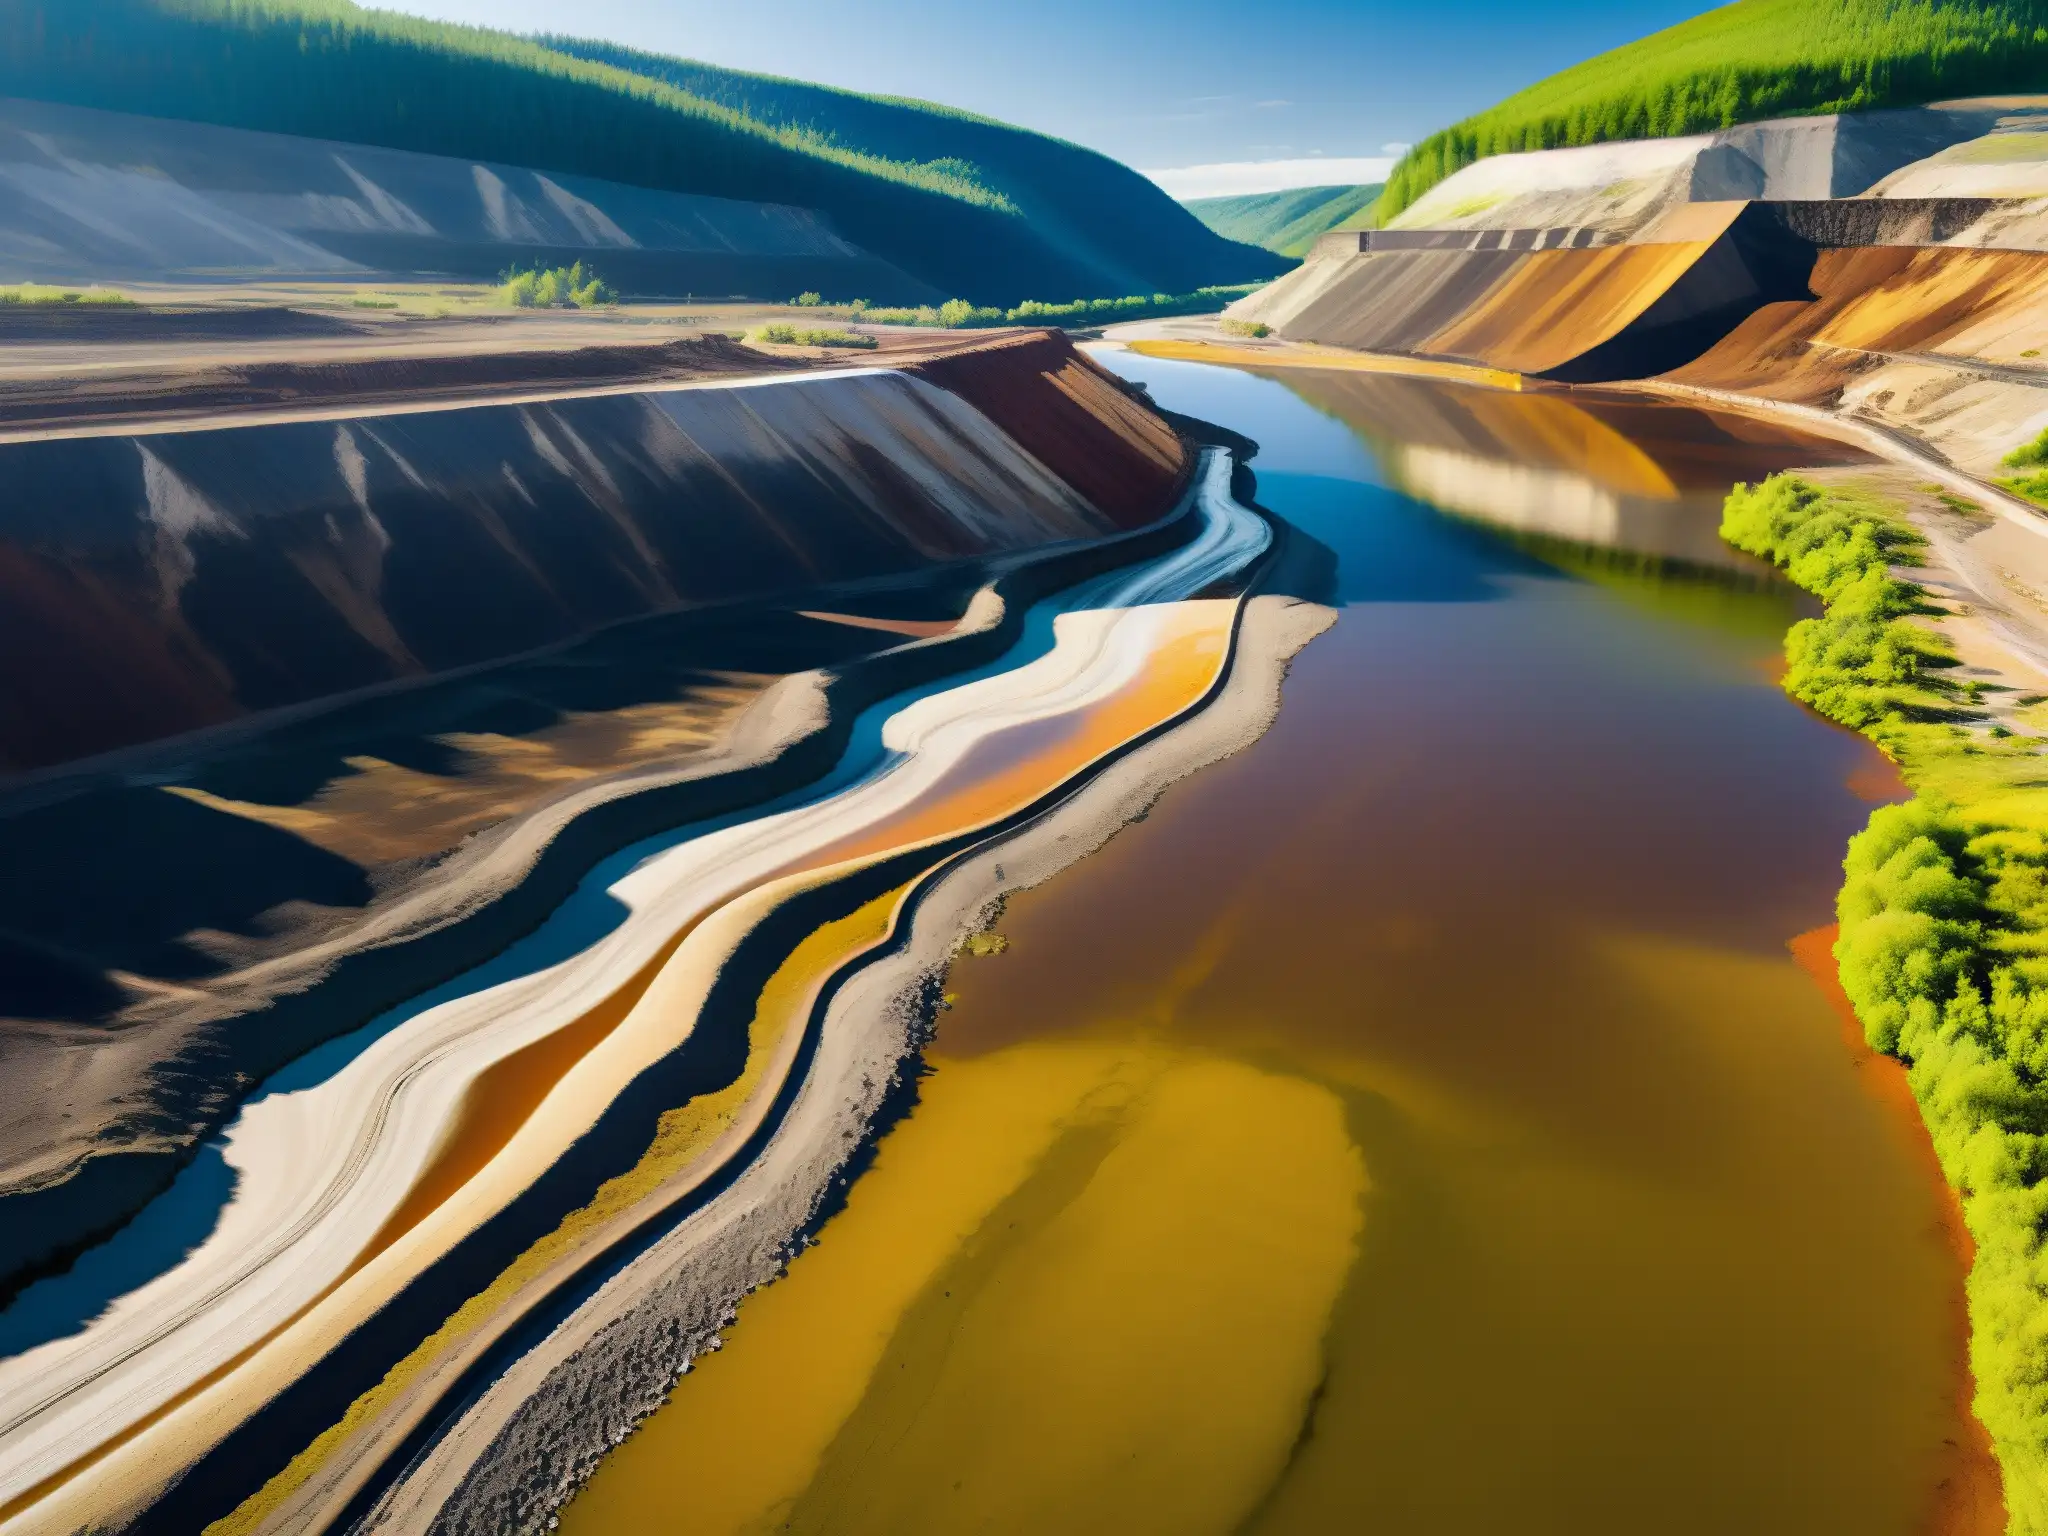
(285,1273)
(508,1463)
(295,871)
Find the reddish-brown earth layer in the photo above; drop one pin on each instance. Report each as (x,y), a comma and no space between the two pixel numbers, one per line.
(1075,417)
(172,581)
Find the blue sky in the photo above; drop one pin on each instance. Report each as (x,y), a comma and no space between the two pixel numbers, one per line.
(1160,84)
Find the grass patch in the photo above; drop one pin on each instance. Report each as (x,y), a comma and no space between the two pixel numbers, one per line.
(958,314)
(36,296)
(1255,329)
(1944,923)
(2033,458)
(784,335)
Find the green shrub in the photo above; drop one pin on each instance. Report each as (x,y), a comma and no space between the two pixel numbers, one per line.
(1254,328)
(1943,947)
(782,334)
(2030,456)
(958,314)
(556,288)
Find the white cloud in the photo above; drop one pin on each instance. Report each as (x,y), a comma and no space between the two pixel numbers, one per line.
(1236,178)
(1396,150)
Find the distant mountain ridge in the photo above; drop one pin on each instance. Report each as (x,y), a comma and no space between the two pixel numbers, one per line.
(1284,222)
(1017,216)
(1748,62)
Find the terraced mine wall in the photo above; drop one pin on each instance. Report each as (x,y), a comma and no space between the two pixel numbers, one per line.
(182,579)
(92,195)
(1577,313)
(1557,304)
(447,661)
(1937,344)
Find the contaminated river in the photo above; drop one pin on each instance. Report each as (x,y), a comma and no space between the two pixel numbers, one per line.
(1420,1122)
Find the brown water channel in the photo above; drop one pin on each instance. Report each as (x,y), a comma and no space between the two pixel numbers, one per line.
(1418,1123)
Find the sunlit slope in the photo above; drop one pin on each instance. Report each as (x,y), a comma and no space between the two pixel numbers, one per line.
(994,214)
(1749,61)
(1287,222)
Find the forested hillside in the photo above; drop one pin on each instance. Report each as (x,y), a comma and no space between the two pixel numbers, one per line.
(1284,222)
(1014,217)
(1071,196)
(1744,62)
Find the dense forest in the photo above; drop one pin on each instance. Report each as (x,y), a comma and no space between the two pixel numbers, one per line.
(1285,222)
(999,215)
(1072,196)
(1745,62)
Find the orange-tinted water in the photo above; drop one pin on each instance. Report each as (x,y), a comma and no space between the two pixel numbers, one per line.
(1417,1124)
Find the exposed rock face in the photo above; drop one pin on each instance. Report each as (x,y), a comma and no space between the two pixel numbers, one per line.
(1575,314)
(178,920)
(178,580)
(1936,343)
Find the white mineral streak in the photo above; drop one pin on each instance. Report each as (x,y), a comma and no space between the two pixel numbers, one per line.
(527,1443)
(326,1154)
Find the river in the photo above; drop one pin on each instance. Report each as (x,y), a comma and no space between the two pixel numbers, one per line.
(1419,1122)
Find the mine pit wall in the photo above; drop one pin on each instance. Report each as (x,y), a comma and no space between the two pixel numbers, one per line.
(179,580)
(1576,305)
(151,584)
(1930,343)
(1560,307)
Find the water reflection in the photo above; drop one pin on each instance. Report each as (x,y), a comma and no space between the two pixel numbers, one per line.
(1602,471)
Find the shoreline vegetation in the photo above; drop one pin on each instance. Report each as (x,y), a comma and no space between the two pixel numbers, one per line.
(1943,948)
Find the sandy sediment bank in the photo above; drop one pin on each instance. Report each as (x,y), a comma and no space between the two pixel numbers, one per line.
(267,1262)
(539,1429)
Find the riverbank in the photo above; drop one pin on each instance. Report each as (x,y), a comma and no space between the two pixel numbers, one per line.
(339,708)
(635,1018)
(1942,925)
(1031,1311)
(508,1465)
